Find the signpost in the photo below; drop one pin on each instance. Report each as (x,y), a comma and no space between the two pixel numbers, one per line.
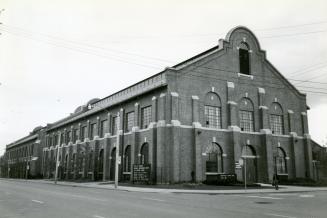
(57,160)
(141,173)
(117,151)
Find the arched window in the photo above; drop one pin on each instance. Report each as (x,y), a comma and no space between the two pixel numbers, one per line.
(66,163)
(246,115)
(244,58)
(82,163)
(276,119)
(127,159)
(248,152)
(249,170)
(144,154)
(212,111)
(90,161)
(214,162)
(281,161)
(113,164)
(74,163)
(100,162)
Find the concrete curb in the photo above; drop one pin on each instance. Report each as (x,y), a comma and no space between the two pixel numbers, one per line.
(284,189)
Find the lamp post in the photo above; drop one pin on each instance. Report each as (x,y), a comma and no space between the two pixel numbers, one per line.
(57,160)
(27,168)
(117,161)
(117,151)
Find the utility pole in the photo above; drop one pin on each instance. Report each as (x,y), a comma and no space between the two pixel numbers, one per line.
(245,173)
(117,150)
(57,159)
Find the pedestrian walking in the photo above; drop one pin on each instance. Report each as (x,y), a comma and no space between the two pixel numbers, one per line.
(275,181)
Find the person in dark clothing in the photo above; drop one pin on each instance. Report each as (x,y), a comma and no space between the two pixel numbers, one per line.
(275,181)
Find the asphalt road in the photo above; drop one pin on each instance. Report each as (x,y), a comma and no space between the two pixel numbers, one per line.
(39,200)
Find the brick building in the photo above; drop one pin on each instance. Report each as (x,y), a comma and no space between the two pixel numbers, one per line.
(210,116)
(23,157)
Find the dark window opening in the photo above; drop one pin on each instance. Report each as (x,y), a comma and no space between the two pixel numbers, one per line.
(244,61)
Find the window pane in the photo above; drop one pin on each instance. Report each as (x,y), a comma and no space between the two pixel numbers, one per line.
(127,160)
(212,116)
(145,117)
(244,61)
(75,135)
(92,130)
(246,121)
(68,137)
(103,128)
(114,126)
(83,133)
(276,124)
(129,121)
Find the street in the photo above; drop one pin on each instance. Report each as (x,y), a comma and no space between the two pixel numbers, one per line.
(39,200)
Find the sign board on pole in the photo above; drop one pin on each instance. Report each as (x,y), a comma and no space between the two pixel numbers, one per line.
(241,161)
(141,173)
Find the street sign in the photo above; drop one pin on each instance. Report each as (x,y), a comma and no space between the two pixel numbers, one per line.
(241,161)
(141,173)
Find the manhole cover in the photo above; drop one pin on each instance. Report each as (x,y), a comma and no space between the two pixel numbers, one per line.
(263,202)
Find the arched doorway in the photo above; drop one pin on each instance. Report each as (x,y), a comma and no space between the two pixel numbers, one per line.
(82,165)
(112,164)
(100,165)
(249,165)
(73,167)
(66,167)
(127,163)
(281,162)
(214,162)
(144,158)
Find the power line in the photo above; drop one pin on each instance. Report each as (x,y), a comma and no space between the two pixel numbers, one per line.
(308,69)
(83,50)
(292,26)
(88,51)
(311,87)
(306,81)
(10,28)
(325,93)
(294,34)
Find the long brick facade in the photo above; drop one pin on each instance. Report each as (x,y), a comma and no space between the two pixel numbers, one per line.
(210,116)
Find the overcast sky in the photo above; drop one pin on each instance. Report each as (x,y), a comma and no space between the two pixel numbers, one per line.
(56,55)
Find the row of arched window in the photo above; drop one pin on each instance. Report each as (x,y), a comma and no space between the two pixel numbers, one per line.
(215,163)
(80,164)
(213,114)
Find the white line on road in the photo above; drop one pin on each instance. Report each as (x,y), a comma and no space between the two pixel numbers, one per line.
(306,196)
(283,194)
(264,197)
(86,197)
(36,201)
(154,199)
(271,214)
(96,216)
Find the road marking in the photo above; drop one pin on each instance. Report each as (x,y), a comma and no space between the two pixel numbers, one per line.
(36,201)
(264,197)
(96,216)
(154,199)
(306,196)
(283,194)
(85,197)
(278,215)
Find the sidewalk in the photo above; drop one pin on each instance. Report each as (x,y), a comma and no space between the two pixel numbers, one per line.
(265,188)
